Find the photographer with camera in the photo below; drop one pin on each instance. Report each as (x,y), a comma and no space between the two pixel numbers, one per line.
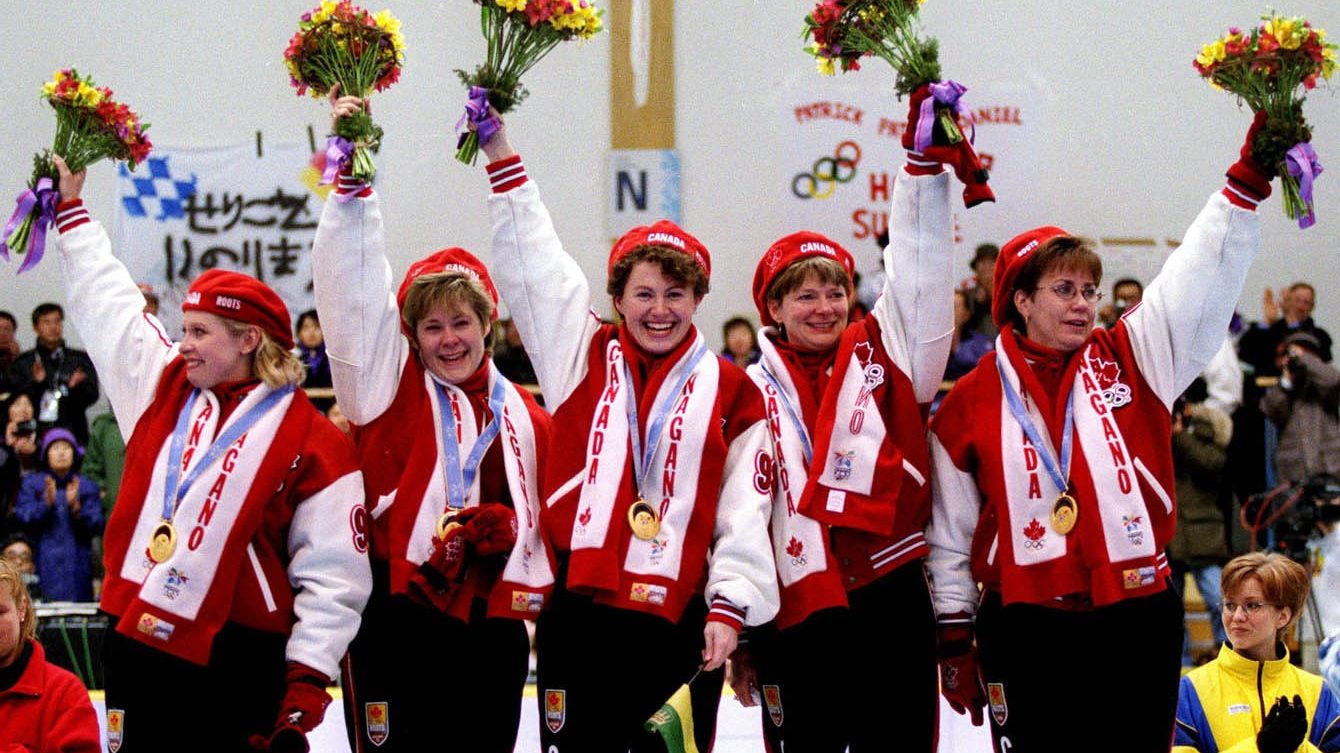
(1304,408)
(18,454)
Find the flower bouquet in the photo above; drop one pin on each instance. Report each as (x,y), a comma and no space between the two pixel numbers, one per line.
(340,43)
(90,126)
(844,31)
(1265,68)
(519,33)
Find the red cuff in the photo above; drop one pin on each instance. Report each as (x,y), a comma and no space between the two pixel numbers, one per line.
(727,613)
(348,186)
(1248,185)
(918,164)
(506,174)
(70,215)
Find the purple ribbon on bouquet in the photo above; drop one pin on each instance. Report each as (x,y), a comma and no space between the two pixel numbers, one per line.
(338,151)
(477,112)
(1303,165)
(947,93)
(44,198)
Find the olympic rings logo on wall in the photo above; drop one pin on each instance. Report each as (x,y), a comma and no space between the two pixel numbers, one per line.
(828,172)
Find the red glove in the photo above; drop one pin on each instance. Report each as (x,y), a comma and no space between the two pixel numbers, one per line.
(961,156)
(960,680)
(491,529)
(439,577)
(1249,180)
(303,708)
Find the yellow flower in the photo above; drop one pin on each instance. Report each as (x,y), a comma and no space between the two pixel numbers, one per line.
(512,6)
(826,66)
(324,12)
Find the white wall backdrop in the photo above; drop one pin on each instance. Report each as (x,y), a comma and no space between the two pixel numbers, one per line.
(1132,140)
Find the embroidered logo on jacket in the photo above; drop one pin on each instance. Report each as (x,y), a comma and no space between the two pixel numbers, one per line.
(116,726)
(772,697)
(648,593)
(1108,374)
(1135,532)
(796,548)
(995,694)
(176,580)
(1034,533)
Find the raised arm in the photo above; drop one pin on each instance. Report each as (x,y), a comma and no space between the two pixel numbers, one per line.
(915,310)
(128,347)
(1180,324)
(354,297)
(544,288)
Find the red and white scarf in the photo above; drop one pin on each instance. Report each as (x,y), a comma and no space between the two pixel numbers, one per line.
(660,575)
(177,606)
(1114,532)
(527,579)
(865,430)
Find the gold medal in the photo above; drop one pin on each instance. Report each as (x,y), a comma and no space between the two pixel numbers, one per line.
(1064,512)
(446,524)
(644,521)
(163,542)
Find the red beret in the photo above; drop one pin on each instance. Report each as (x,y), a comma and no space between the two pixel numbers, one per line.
(665,234)
(453,259)
(233,295)
(785,252)
(1008,264)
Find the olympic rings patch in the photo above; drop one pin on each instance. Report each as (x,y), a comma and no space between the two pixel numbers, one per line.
(828,172)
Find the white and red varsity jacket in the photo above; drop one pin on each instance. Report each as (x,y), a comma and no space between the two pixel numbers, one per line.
(992,497)
(870,477)
(710,471)
(393,403)
(272,537)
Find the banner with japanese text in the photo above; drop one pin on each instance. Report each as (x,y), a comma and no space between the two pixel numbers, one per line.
(844,149)
(185,211)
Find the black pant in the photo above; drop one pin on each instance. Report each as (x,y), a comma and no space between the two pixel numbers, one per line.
(172,705)
(1102,679)
(420,680)
(603,671)
(862,678)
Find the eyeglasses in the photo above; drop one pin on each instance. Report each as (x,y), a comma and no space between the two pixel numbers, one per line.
(1066,291)
(1251,607)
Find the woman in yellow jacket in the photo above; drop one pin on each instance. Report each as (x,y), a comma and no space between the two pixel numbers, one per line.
(1251,698)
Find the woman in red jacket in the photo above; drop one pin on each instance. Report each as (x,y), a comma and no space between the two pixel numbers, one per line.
(43,708)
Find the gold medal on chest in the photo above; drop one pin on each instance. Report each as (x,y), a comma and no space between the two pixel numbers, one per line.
(644,521)
(1065,511)
(163,542)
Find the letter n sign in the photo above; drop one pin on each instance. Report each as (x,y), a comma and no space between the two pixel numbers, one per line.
(643,186)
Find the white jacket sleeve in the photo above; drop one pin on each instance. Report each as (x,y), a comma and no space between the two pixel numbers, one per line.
(1182,319)
(331,578)
(955,507)
(356,302)
(545,290)
(915,310)
(1223,378)
(129,348)
(740,566)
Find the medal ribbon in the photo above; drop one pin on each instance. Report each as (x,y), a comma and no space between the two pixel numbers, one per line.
(1060,474)
(461,478)
(174,490)
(791,412)
(641,457)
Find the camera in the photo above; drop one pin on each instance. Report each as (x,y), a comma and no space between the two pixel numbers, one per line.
(25,428)
(1292,513)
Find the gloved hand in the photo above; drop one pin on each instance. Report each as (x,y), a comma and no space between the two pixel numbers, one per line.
(490,529)
(961,157)
(960,679)
(1247,175)
(303,708)
(1284,727)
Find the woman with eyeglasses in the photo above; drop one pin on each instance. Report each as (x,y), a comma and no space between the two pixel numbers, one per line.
(1251,698)
(1053,483)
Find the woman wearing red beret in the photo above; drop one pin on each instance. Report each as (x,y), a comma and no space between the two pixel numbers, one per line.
(851,499)
(236,554)
(452,455)
(1054,484)
(656,501)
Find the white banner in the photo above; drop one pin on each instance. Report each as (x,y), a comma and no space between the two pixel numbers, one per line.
(185,211)
(644,186)
(844,147)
